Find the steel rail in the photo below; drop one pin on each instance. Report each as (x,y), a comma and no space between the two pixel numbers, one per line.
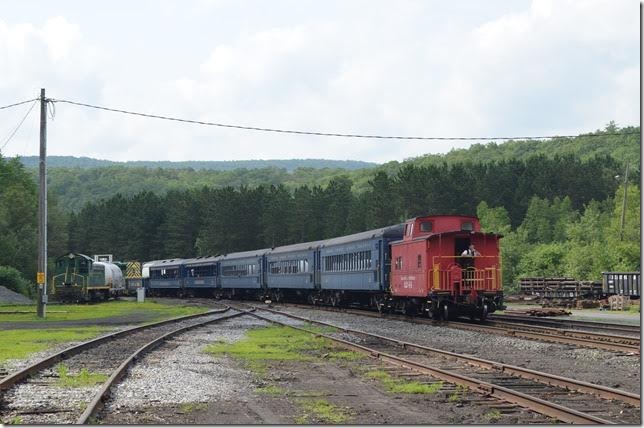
(542,377)
(548,337)
(566,323)
(554,410)
(103,394)
(599,337)
(463,325)
(13,378)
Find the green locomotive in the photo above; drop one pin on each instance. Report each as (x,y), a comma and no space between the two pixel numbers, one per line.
(78,277)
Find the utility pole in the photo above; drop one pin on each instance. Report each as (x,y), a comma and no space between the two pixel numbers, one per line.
(621,224)
(41,278)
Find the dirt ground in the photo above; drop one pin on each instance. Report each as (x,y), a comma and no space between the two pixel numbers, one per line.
(355,400)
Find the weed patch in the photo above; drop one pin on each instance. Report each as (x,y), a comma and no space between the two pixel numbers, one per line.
(458,394)
(345,356)
(192,407)
(270,390)
(84,378)
(18,344)
(261,345)
(73,312)
(402,386)
(492,416)
(322,411)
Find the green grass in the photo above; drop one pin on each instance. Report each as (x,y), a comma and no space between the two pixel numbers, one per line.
(634,309)
(18,344)
(402,386)
(84,378)
(16,420)
(346,356)
(270,390)
(192,407)
(458,394)
(492,416)
(75,312)
(261,345)
(322,411)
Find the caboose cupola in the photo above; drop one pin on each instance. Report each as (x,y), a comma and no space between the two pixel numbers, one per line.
(429,225)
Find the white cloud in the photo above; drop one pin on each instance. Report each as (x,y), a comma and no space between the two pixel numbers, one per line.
(420,68)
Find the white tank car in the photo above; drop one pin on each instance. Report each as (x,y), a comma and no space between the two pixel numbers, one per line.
(113,276)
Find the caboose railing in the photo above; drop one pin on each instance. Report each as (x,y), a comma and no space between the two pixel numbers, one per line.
(458,279)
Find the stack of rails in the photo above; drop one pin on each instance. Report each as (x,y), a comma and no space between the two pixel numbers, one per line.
(561,288)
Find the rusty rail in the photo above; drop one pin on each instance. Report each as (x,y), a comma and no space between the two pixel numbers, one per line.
(13,378)
(103,394)
(547,378)
(554,410)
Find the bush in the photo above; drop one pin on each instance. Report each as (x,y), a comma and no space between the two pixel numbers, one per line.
(13,280)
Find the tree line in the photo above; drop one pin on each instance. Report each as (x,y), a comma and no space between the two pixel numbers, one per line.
(560,214)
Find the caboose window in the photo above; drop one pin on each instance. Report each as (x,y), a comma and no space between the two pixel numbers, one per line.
(467,225)
(426,226)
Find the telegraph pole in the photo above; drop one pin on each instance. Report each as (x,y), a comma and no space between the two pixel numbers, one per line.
(41,278)
(621,224)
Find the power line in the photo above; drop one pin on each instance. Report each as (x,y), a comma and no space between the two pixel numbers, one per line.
(19,125)
(17,104)
(327,134)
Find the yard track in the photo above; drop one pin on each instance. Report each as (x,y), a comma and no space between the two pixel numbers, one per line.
(22,390)
(562,323)
(610,342)
(567,400)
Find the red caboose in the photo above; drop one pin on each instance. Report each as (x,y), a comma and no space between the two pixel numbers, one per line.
(430,273)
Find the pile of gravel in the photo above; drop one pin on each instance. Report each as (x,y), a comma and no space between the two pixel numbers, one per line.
(10,297)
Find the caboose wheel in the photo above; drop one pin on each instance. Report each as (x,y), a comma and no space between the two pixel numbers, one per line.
(445,312)
(484,311)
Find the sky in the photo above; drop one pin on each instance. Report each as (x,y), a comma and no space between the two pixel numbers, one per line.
(408,68)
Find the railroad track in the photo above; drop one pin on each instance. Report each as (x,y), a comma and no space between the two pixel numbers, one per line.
(110,355)
(609,342)
(618,329)
(564,399)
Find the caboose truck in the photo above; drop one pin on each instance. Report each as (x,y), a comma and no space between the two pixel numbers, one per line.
(429,274)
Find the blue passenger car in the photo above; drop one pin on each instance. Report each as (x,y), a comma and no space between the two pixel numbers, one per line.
(358,265)
(166,277)
(200,275)
(243,273)
(292,268)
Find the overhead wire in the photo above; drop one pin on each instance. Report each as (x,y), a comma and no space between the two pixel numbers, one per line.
(19,125)
(17,104)
(325,134)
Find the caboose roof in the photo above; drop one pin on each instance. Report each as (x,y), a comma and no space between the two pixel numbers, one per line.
(448,233)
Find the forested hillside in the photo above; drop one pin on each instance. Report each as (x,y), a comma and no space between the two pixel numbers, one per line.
(560,212)
(77,185)
(287,164)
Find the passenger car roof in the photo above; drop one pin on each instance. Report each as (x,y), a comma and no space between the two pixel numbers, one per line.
(395,231)
(244,254)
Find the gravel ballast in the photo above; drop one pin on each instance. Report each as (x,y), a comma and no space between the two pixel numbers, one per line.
(181,372)
(592,365)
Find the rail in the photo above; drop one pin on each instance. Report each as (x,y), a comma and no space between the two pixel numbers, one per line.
(547,408)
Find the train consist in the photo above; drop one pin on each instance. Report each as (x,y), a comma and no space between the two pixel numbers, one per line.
(78,277)
(421,266)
